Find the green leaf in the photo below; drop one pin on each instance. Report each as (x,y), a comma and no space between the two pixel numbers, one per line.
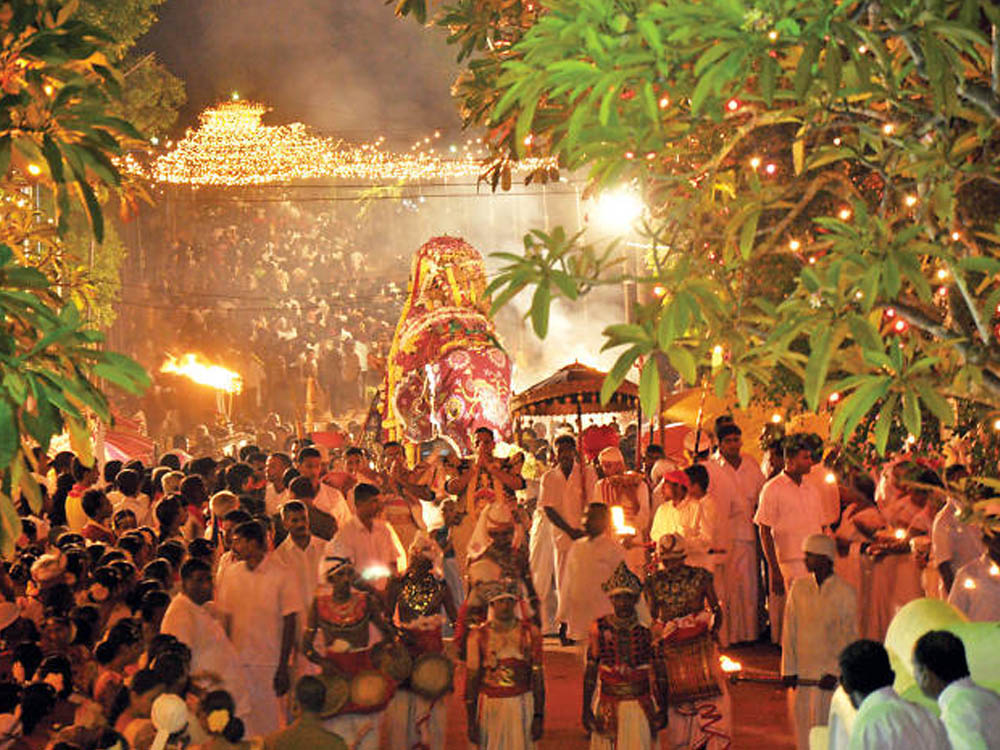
(803,71)
(768,78)
(8,433)
(853,408)
(820,351)
(884,423)
(742,389)
(937,404)
(619,370)
(665,332)
(748,234)
(649,387)
(540,303)
(684,362)
(911,413)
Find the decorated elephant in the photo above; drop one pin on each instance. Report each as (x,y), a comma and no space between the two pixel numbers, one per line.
(447,373)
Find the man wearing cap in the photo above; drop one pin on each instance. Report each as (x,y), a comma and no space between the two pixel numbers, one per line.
(627,490)
(683,515)
(790,510)
(686,619)
(820,621)
(504,684)
(631,706)
(737,477)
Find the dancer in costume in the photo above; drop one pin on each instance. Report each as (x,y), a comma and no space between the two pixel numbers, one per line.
(343,614)
(505,684)
(630,685)
(687,617)
(417,712)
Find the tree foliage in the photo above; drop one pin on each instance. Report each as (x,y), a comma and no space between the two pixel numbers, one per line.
(855,142)
(58,150)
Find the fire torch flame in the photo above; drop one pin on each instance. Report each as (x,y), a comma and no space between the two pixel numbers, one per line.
(728,665)
(618,521)
(214,376)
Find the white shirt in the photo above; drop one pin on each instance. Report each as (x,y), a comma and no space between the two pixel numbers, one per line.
(742,486)
(976,590)
(376,551)
(971,715)
(139,505)
(331,501)
(686,518)
(211,649)
(304,564)
(256,603)
(793,512)
(820,621)
(887,722)
(273,500)
(566,496)
(953,541)
(589,563)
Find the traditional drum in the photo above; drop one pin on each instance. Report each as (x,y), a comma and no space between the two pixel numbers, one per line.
(393,659)
(370,691)
(432,676)
(338,690)
(692,668)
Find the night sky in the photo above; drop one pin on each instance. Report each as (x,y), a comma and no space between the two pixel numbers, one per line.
(348,67)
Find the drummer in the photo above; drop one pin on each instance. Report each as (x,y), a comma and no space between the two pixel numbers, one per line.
(347,617)
(417,716)
(686,620)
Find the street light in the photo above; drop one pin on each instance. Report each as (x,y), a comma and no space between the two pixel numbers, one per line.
(616,211)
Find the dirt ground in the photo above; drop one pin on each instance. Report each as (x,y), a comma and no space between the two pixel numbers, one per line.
(760,714)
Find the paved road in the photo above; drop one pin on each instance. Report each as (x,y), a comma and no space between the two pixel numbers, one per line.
(760,715)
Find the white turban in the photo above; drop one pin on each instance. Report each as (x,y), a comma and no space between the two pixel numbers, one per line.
(820,544)
(611,455)
(170,716)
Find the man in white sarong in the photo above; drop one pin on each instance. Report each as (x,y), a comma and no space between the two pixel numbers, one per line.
(884,721)
(630,706)
(790,510)
(970,713)
(213,655)
(820,621)
(738,477)
(564,494)
(259,600)
(505,684)
(591,560)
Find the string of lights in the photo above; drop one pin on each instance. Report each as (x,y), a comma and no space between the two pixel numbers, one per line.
(231,147)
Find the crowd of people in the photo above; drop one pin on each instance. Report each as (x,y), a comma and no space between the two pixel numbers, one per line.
(324,599)
(282,294)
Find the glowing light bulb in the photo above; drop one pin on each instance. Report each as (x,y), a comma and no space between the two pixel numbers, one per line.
(775,418)
(773,36)
(955,236)
(900,326)
(834,397)
(48,89)
(942,291)
(830,478)
(771,168)
(968,583)
(733,104)
(837,141)
(910,200)
(888,128)
(890,312)
(529,139)
(996,425)
(995,570)
(659,291)
(910,439)
(34,170)
(812,260)
(900,534)
(235,96)
(664,102)
(862,49)
(942,273)
(755,162)
(794,245)
(617,210)
(844,214)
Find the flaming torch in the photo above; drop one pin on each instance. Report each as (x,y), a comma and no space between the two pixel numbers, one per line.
(618,522)
(224,382)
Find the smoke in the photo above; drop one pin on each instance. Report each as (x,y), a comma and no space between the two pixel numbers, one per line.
(344,66)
